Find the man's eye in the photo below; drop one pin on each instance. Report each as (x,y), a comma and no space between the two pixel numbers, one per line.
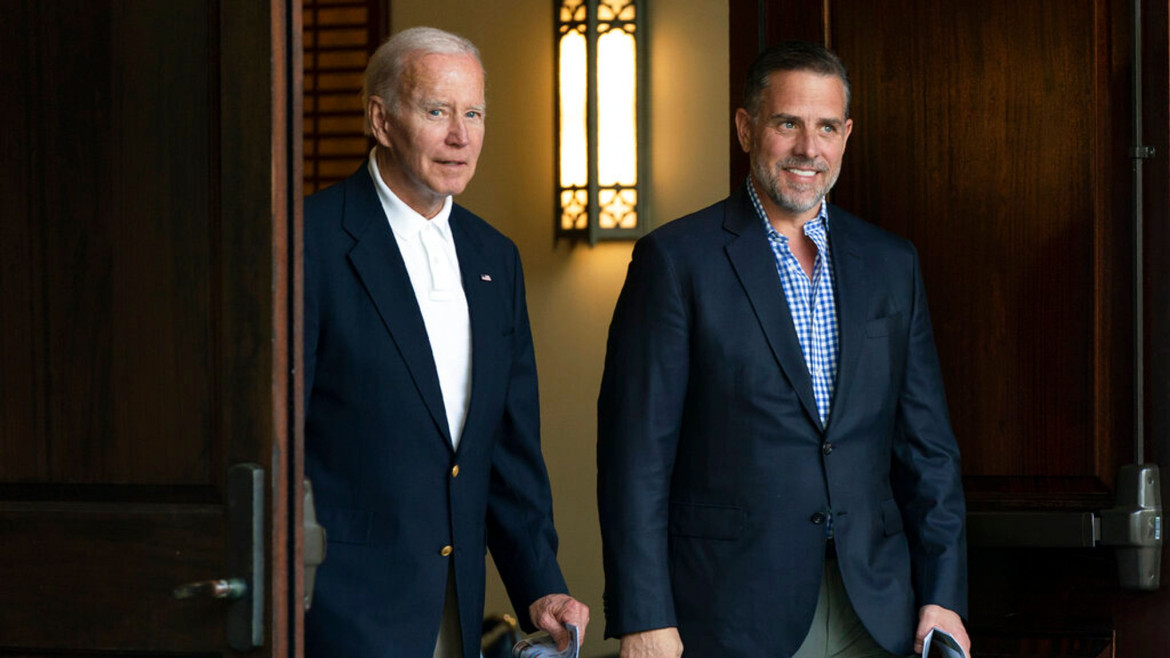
(435,113)
(472,114)
(788,125)
(828,129)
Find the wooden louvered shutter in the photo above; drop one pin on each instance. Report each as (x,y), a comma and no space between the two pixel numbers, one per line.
(339,37)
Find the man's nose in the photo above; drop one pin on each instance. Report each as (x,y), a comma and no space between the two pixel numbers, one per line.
(805,143)
(457,131)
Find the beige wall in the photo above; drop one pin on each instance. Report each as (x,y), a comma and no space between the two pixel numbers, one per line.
(572,289)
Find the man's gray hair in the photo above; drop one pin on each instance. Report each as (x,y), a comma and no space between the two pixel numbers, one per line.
(791,56)
(384,71)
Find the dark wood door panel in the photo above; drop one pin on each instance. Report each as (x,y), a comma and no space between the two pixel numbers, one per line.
(977,137)
(114,348)
(148,321)
(97,573)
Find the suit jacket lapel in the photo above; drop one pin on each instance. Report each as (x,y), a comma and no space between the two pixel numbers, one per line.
(380,267)
(853,288)
(754,264)
(482,305)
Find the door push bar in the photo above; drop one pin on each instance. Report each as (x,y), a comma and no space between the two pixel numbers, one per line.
(1132,527)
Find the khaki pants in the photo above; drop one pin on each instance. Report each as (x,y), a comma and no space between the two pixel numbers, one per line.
(836,631)
(450,641)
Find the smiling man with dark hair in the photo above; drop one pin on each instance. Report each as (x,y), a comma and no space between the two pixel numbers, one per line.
(777,473)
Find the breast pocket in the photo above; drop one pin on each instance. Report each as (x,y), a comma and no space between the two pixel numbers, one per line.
(881,327)
(879,369)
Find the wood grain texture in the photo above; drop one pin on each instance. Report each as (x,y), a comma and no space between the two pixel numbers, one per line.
(148,314)
(974,137)
(101,574)
(110,253)
(22,378)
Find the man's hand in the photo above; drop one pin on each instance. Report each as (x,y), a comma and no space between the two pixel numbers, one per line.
(656,643)
(930,616)
(551,612)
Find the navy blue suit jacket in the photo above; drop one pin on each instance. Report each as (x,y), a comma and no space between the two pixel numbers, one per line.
(377,445)
(715,474)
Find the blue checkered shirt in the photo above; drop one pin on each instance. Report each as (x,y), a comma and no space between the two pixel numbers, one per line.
(810,301)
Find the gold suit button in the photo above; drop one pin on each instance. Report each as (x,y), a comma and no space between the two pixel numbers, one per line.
(455,471)
(447,550)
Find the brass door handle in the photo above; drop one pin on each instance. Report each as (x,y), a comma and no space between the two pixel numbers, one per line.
(230,588)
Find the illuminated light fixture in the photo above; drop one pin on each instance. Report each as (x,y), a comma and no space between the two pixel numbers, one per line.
(601,117)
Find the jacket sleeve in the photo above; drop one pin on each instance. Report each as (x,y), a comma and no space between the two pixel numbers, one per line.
(639,415)
(520,531)
(926,471)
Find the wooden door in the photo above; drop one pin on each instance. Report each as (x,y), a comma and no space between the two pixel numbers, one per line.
(996,135)
(150,322)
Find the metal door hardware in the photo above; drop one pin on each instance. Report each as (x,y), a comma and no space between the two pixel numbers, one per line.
(245,558)
(232,588)
(1134,527)
(314,544)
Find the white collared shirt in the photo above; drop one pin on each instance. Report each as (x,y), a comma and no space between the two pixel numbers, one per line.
(428,249)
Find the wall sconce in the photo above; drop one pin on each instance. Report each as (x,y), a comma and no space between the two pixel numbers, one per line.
(601,116)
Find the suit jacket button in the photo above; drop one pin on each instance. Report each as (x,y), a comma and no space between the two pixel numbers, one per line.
(827,448)
(447,550)
(455,471)
(817,518)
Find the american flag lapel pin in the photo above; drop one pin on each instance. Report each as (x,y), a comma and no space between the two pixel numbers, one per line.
(485,277)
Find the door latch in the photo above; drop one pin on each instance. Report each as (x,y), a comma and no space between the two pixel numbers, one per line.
(244,591)
(1134,527)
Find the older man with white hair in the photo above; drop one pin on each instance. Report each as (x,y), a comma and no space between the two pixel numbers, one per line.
(422,433)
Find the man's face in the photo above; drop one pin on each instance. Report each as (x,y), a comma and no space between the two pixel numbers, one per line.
(796,140)
(433,138)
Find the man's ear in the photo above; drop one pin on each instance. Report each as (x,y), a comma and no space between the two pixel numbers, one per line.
(743,129)
(378,114)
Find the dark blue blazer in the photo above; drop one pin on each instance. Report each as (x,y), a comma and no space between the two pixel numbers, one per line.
(378,449)
(715,474)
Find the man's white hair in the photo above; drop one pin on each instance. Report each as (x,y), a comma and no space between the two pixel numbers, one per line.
(384,71)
